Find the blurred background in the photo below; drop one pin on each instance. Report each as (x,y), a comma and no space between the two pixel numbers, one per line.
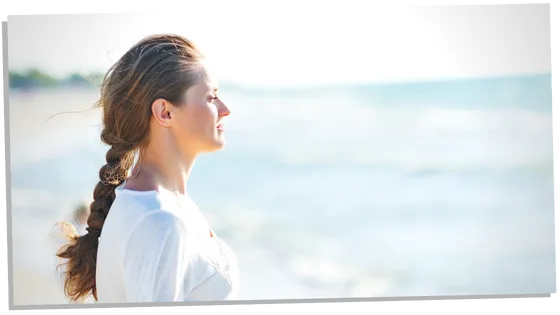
(371,152)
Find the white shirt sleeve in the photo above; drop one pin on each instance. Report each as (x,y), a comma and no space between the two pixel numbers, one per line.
(162,263)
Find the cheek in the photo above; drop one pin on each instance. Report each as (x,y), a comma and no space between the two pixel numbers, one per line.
(200,119)
(207,115)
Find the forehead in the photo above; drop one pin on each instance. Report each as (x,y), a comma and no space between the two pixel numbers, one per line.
(206,82)
(204,86)
(209,74)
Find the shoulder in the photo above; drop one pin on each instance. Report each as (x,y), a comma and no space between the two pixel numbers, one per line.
(137,203)
(159,223)
(156,233)
(147,209)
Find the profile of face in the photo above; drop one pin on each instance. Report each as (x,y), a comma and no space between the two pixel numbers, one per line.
(196,125)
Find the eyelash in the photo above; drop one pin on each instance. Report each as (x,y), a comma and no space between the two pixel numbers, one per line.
(213,98)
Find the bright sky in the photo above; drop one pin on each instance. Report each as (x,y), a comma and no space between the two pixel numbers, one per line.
(286,46)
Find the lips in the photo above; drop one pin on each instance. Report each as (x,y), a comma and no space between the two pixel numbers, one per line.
(220,127)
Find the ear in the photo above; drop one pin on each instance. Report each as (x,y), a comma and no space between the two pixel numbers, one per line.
(161,111)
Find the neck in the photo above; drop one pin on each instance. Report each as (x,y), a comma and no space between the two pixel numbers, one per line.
(157,170)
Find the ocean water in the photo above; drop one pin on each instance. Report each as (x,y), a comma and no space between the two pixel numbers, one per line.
(437,188)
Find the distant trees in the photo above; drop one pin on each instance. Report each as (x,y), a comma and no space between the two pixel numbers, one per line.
(34,78)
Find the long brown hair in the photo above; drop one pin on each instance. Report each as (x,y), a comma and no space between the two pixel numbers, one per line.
(158,66)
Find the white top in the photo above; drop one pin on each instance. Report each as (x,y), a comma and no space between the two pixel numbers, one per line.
(155,247)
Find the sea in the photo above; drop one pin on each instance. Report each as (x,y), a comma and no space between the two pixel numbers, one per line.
(439,188)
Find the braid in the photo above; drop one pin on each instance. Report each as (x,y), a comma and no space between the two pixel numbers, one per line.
(111,175)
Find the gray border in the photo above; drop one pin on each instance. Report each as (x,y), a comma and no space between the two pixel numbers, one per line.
(8,162)
(451,303)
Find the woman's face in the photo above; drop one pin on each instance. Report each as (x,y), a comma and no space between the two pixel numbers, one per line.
(197,124)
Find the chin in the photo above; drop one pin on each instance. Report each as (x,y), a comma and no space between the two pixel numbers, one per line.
(216,146)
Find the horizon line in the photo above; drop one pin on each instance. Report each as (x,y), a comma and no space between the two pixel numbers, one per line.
(229,83)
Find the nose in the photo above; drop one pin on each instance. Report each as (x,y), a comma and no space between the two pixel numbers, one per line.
(223,110)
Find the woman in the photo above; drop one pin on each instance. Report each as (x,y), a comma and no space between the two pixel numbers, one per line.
(147,241)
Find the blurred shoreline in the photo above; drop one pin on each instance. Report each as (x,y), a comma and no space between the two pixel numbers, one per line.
(360,191)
